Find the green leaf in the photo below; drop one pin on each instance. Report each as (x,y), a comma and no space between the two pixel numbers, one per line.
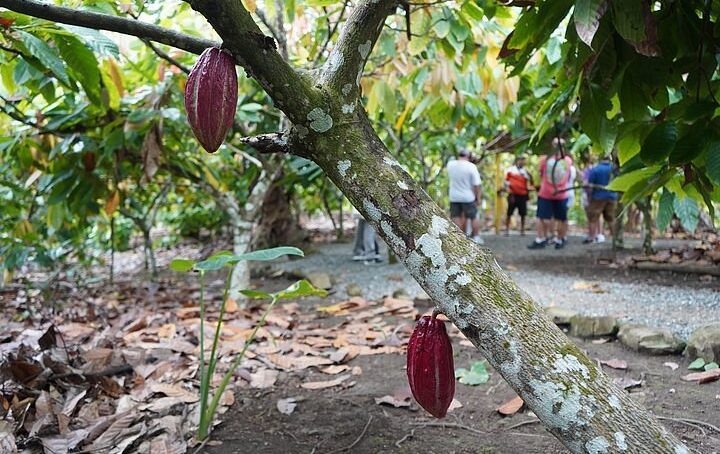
(665,210)
(633,102)
(82,64)
(697,364)
(659,143)
(623,182)
(418,44)
(594,121)
(98,42)
(47,55)
(256,294)
(215,261)
(473,11)
(688,147)
(442,28)
(587,18)
(269,254)
(628,20)
(298,289)
(182,265)
(477,375)
(711,366)
(712,161)
(688,211)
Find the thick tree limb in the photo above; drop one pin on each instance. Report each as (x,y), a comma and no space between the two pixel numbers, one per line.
(257,53)
(344,66)
(101,21)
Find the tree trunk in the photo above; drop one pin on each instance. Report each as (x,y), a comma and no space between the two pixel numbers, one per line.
(149,254)
(567,390)
(277,225)
(242,237)
(618,240)
(646,209)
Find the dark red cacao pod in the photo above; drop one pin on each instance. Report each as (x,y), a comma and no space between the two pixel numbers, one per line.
(211,97)
(430,367)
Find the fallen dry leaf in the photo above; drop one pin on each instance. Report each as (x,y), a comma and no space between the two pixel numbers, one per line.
(615,363)
(627,383)
(393,400)
(286,406)
(455,404)
(671,365)
(175,391)
(511,407)
(602,340)
(298,362)
(264,378)
(325,384)
(334,370)
(703,377)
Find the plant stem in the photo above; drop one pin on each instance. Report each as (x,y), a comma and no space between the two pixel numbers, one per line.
(213,352)
(228,375)
(203,425)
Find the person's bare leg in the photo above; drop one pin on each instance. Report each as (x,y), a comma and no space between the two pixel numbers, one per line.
(475,226)
(460,222)
(507,225)
(522,225)
(562,227)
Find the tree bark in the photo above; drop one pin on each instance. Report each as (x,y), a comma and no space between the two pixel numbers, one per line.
(570,394)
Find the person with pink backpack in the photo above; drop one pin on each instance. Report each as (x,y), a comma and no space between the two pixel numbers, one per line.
(556,172)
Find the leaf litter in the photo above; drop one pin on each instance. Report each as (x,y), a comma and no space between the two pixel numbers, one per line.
(116,370)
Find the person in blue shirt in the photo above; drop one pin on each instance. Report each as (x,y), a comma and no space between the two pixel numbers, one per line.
(602,201)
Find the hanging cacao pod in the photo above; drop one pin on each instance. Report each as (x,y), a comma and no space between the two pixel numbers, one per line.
(211,97)
(430,368)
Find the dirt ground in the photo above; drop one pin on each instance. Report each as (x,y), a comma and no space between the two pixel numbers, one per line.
(348,419)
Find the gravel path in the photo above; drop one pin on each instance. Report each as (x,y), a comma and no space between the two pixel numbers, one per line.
(570,278)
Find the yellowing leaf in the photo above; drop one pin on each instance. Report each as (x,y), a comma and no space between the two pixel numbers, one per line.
(401,119)
(250,5)
(112,203)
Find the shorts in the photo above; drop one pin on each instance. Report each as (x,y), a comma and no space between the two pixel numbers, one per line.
(555,209)
(606,207)
(457,209)
(519,202)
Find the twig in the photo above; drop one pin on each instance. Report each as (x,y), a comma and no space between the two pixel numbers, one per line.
(523,423)
(448,425)
(692,421)
(409,435)
(202,445)
(357,440)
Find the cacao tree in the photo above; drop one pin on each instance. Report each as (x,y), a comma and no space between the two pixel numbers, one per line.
(329,126)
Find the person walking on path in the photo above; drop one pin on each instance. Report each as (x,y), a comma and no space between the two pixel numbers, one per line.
(602,201)
(518,183)
(464,193)
(585,197)
(556,171)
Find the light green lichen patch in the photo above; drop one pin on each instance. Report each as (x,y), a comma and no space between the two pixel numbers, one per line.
(364,49)
(346,89)
(319,120)
(620,441)
(348,108)
(343,167)
(614,402)
(598,445)
(373,212)
(402,185)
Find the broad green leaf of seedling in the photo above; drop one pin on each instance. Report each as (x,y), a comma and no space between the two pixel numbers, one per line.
(698,364)
(477,375)
(182,265)
(300,288)
(711,366)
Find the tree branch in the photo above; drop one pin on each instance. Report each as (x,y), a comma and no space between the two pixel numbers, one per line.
(268,143)
(258,54)
(101,21)
(162,54)
(344,66)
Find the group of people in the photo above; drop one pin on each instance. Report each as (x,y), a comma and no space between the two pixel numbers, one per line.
(555,196)
(556,192)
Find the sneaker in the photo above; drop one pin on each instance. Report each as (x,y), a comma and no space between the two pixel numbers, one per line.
(359,257)
(600,238)
(588,240)
(560,243)
(537,244)
(478,240)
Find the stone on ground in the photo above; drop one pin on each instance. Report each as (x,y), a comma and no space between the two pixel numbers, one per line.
(353,289)
(592,326)
(319,280)
(559,315)
(704,343)
(654,341)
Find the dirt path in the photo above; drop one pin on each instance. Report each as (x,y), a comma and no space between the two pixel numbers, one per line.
(569,278)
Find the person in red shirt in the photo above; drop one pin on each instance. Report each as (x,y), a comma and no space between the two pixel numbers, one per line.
(517,183)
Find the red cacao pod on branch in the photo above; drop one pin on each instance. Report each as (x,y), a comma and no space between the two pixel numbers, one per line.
(211,97)
(430,367)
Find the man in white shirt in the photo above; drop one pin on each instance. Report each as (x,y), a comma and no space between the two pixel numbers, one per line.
(464,185)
